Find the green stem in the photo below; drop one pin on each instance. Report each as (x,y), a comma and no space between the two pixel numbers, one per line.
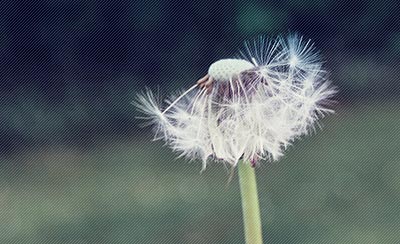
(250,206)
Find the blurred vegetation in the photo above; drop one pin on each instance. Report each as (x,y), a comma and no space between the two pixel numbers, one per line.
(75,167)
(69,69)
(338,186)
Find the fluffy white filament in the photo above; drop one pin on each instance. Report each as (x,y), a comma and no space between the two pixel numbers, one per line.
(264,100)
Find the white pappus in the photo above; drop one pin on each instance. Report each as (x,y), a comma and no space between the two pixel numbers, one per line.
(250,107)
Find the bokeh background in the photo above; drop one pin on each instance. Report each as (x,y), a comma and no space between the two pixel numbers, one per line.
(75,167)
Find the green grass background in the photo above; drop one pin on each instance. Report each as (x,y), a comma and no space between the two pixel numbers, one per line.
(340,185)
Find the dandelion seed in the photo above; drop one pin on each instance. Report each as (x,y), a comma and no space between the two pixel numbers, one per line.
(248,108)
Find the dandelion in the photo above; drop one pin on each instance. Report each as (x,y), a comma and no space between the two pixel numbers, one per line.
(248,108)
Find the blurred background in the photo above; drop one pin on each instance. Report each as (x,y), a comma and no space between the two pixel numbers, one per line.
(76,167)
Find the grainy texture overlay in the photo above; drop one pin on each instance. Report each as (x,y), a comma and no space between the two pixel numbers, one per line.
(77,167)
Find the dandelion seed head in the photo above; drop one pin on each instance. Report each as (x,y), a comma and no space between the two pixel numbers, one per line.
(249,108)
(226,69)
